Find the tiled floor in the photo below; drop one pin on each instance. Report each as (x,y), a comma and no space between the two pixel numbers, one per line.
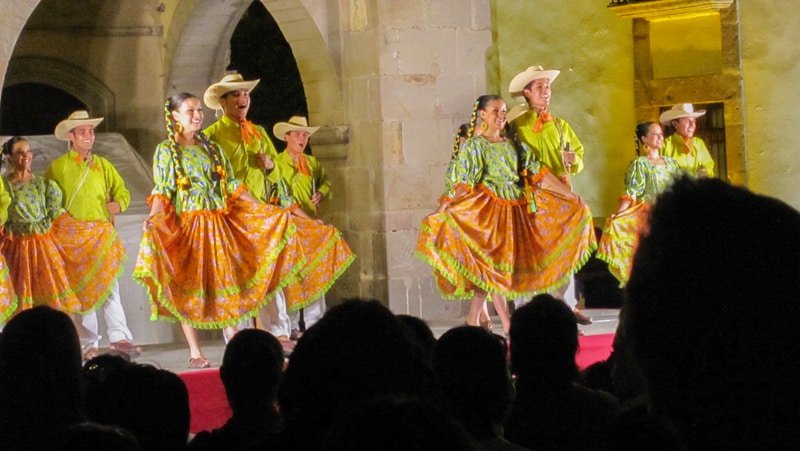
(174,357)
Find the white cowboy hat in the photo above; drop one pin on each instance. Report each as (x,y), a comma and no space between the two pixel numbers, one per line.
(516,111)
(230,82)
(522,79)
(678,111)
(294,123)
(77,118)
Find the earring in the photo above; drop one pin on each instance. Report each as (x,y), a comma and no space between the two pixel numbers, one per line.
(484,126)
(179,127)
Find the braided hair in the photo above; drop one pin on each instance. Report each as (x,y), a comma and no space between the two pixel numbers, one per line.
(181,180)
(461,133)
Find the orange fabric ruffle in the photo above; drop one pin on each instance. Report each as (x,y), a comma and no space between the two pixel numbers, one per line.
(72,268)
(327,257)
(216,269)
(621,239)
(499,247)
(8,301)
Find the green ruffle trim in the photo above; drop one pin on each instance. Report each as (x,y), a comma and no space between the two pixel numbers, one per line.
(4,274)
(103,297)
(461,293)
(330,283)
(140,276)
(614,268)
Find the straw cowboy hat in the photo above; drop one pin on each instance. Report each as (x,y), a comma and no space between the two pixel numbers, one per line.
(516,111)
(678,111)
(230,82)
(77,118)
(522,79)
(294,123)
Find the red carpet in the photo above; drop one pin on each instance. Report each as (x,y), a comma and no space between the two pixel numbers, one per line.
(593,348)
(209,405)
(207,401)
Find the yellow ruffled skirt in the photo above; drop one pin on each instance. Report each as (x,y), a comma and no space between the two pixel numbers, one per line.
(214,269)
(621,239)
(71,268)
(499,246)
(327,257)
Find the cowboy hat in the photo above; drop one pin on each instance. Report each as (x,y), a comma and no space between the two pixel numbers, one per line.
(523,79)
(294,123)
(230,82)
(678,111)
(516,111)
(77,118)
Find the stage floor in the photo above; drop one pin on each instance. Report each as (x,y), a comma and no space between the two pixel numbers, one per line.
(174,357)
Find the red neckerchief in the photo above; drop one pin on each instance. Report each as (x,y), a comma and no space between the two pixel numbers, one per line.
(80,159)
(687,145)
(302,164)
(543,118)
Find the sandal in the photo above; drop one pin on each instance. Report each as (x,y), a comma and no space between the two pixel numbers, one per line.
(196,363)
(488,325)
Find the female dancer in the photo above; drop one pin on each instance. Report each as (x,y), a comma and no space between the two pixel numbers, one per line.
(511,229)
(211,254)
(53,259)
(648,175)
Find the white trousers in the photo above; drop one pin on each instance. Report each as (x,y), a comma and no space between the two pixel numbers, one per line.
(116,322)
(272,318)
(311,314)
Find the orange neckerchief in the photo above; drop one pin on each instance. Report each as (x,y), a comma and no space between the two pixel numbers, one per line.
(541,120)
(687,145)
(79,159)
(249,132)
(302,164)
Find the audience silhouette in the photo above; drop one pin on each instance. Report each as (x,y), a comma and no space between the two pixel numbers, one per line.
(397,423)
(713,319)
(151,403)
(357,352)
(472,369)
(95,437)
(551,411)
(40,378)
(251,369)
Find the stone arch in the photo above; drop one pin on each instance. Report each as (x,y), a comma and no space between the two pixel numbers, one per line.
(68,78)
(14,16)
(198,41)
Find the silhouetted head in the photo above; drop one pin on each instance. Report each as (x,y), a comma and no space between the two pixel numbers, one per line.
(713,317)
(151,403)
(251,368)
(397,424)
(40,375)
(358,351)
(544,340)
(470,363)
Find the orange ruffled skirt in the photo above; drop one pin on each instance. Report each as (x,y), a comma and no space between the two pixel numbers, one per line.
(498,246)
(8,301)
(621,239)
(71,268)
(327,257)
(214,269)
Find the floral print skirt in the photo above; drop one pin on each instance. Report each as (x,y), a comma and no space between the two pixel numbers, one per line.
(498,246)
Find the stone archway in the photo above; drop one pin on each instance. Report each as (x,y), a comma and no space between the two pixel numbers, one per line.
(68,78)
(13,17)
(198,41)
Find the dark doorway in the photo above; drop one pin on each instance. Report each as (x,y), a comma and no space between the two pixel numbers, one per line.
(259,51)
(34,109)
